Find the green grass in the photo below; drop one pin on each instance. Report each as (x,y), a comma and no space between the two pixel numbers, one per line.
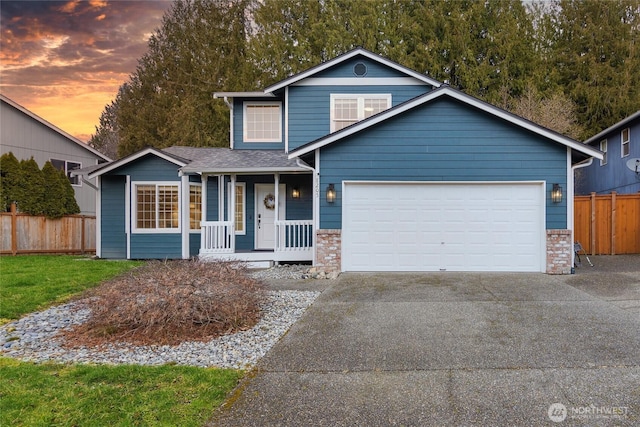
(32,283)
(93,395)
(89,395)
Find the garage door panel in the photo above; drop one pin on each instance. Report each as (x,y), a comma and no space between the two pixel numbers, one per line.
(433,226)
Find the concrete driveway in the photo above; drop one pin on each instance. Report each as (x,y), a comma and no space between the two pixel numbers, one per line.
(455,349)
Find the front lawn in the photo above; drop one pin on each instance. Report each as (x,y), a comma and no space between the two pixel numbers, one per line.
(32,283)
(89,395)
(93,395)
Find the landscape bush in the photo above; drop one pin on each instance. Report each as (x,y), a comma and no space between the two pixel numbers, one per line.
(170,302)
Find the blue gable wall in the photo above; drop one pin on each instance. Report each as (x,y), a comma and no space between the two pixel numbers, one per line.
(374,69)
(443,141)
(613,176)
(309,114)
(112,223)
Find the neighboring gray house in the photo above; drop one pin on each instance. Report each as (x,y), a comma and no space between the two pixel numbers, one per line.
(26,135)
(357,164)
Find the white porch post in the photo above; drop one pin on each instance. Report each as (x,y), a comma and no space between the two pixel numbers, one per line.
(220,197)
(232,212)
(276,180)
(185,215)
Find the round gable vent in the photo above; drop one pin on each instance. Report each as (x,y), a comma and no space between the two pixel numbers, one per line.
(360,69)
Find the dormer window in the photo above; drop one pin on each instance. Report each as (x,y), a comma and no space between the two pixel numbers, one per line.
(347,109)
(262,122)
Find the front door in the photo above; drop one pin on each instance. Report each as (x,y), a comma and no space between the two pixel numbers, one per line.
(266,214)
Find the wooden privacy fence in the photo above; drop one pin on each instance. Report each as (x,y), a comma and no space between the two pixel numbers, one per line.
(36,234)
(608,224)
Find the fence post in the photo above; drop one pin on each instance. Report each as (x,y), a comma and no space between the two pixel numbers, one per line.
(14,229)
(82,245)
(593,223)
(613,223)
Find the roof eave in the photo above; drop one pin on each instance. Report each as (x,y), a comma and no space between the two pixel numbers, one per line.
(621,123)
(243,170)
(135,156)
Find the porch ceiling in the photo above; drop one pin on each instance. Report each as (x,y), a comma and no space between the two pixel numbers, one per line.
(226,160)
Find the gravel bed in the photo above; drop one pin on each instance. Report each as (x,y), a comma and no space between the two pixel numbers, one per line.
(33,338)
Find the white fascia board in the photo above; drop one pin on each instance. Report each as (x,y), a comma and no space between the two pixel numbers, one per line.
(54,128)
(314,70)
(218,95)
(620,124)
(469,100)
(359,81)
(135,156)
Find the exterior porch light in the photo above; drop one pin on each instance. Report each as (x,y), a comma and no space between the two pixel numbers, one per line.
(556,193)
(295,193)
(331,193)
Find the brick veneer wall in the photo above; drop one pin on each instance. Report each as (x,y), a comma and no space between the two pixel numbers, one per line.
(328,250)
(559,251)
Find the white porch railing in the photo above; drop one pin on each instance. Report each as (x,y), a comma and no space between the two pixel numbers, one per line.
(217,237)
(294,235)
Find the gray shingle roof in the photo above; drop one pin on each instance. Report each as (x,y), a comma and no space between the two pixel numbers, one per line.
(225,160)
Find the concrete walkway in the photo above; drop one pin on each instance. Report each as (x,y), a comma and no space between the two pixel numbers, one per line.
(455,349)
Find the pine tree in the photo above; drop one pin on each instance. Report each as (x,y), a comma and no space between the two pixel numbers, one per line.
(55,195)
(31,195)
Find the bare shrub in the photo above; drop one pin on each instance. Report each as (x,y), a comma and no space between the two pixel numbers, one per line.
(170,302)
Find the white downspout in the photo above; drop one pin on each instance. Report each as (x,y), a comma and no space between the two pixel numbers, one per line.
(230,105)
(570,200)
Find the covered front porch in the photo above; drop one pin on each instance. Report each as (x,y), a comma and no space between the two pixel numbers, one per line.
(255,215)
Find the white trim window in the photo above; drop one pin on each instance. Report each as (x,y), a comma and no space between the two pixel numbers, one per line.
(347,109)
(603,148)
(156,207)
(241,202)
(195,207)
(625,137)
(66,167)
(262,121)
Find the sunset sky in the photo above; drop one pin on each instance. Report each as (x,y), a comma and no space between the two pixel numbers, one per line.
(65,60)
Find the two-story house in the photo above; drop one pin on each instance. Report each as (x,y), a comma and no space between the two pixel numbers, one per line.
(357,164)
(619,168)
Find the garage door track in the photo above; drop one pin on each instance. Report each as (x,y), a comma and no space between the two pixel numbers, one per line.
(455,349)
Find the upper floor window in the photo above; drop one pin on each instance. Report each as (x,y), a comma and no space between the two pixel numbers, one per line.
(625,136)
(603,148)
(67,167)
(156,207)
(347,109)
(262,122)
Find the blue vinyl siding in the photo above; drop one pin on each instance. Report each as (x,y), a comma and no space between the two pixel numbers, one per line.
(443,141)
(156,246)
(615,175)
(149,168)
(310,116)
(112,223)
(194,244)
(374,69)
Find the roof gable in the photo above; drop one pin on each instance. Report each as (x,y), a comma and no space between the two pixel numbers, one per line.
(337,61)
(54,128)
(446,91)
(178,161)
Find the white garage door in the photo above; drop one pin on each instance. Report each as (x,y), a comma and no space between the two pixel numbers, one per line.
(442,226)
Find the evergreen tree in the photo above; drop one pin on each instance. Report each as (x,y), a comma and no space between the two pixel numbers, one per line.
(31,195)
(55,194)
(10,174)
(198,50)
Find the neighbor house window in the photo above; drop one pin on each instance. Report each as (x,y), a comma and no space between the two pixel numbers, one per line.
(241,202)
(195,206)
(625,135)
(347,109)
(262,122)
(603,148)
(67,167)
(156,207)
